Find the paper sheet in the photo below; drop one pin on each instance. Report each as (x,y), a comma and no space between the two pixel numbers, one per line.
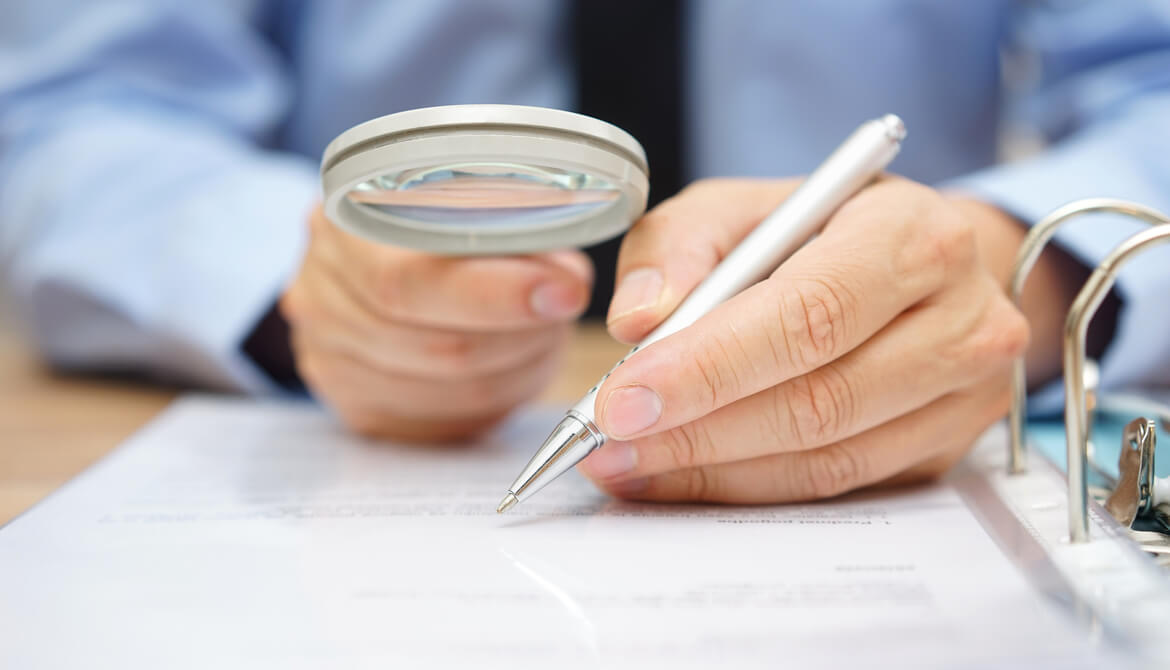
(234,534)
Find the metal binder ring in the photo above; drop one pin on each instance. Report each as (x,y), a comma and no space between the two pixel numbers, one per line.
(1030,249)
(1075,328)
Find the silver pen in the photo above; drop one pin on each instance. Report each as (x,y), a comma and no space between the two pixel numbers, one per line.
(859,159)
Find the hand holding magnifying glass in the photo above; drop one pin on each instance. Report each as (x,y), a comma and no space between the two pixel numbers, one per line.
(410,345)
(439,301)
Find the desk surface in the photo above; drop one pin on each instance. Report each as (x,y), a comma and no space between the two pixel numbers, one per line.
(53,426)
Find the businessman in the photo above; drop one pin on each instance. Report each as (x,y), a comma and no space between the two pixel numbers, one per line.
(158,214)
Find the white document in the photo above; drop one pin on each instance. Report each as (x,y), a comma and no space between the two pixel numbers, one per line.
(232,534)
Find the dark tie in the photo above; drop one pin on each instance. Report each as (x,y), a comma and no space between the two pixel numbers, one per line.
(628,60)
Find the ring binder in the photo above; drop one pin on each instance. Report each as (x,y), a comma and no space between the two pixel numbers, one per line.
(1114,580)
(1075,328)
(1034,242)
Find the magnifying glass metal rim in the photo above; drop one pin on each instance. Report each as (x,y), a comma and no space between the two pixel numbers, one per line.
(548,138)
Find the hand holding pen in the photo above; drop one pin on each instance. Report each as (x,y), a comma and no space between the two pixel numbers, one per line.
(877,353)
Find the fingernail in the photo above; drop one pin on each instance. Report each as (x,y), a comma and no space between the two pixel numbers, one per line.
(631,409)
(638,290)
(554,300)
(615,458)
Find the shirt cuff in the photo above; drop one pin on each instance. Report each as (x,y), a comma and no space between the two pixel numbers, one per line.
(1104,163)
(176,291)
(266,248)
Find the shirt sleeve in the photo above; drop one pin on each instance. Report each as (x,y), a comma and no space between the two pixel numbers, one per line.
(1101,95)
(143,226)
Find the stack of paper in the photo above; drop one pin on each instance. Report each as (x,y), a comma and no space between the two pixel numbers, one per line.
(234,534)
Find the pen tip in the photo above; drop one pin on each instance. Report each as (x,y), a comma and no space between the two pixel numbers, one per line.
(507,503)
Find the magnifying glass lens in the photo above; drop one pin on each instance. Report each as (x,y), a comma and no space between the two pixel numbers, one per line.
(483,195)
(485,179)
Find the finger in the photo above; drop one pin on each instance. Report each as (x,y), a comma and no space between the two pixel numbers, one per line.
(881,259)
(487,293)
(574,261)
(375,404)
(947,426)
(319,296)
(928,470)
(440,356)
(671,249)
(324,312)
(923,355)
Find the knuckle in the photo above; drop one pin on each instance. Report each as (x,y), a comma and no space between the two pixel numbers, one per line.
(702,485)
(812,320)
(940,241)
(960,245)
(819,406)
(834,470)
(949,238)
(452,353)
(776,421)
(689,445)
(715,372)
(1000,337)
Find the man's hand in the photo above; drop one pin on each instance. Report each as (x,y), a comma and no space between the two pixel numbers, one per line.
(877,353)
(409,345)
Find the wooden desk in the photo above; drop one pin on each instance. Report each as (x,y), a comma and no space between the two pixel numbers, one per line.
(53,426)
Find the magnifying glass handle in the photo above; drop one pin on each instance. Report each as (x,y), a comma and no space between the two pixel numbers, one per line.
(855,163)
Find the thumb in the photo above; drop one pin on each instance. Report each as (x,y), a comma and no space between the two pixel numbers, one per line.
(671,249)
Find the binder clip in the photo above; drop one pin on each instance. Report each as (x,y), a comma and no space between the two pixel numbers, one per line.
(1137,498)
(1133,493)
(1140,502)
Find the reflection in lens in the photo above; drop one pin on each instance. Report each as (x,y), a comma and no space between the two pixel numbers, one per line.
(484,195)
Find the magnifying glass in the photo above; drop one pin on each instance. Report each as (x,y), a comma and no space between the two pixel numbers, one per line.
(485,179)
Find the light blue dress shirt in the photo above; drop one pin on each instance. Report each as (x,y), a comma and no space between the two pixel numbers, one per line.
(158,159)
